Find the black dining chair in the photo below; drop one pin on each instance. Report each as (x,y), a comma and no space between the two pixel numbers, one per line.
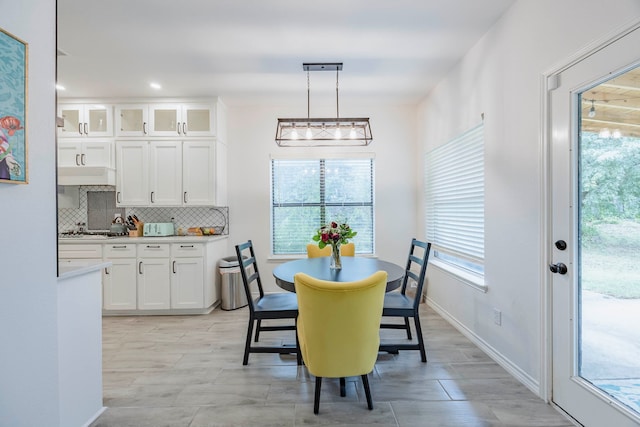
(399,304)
(265,306)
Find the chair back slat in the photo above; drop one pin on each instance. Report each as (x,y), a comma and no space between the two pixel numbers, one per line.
(417,260)
(249,270)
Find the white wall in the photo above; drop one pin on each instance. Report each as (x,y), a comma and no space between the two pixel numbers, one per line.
(252,131)
(501,77)
(28,325)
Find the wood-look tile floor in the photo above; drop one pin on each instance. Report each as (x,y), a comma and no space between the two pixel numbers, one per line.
(186,371)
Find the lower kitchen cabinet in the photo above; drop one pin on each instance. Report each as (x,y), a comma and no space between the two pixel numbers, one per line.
(154,284)
(119,285)
(120,281)
(149,278)
(187,278)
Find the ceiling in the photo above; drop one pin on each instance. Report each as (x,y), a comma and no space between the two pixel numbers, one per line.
(616,105)
(251,51)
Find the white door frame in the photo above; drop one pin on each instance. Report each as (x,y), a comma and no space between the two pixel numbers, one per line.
(549,81)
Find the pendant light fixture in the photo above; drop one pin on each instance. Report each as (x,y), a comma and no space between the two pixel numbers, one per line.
(592,110)
(317,132)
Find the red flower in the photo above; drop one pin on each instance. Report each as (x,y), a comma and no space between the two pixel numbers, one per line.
(11,124)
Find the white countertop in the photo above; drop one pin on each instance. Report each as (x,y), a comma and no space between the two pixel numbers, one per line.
(67,272)
(84,239)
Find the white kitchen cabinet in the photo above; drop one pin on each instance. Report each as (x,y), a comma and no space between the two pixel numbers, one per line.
(86,161)
(154,280)
(119,282)
(85,120)
(187,275)
(132,173)
(221,174)
(132,120)
(153,275)
(189,119)
(87,152)
(165,173)
(199,173)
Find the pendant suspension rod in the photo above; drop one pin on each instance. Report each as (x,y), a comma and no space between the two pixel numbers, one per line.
(308,95)
(337,109)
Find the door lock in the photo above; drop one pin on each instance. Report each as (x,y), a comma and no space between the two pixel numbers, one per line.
(559,268)
(561,245)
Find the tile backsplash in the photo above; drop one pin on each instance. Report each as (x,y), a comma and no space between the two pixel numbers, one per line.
(95,206)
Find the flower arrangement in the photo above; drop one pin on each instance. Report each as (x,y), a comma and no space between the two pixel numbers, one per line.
(334,234)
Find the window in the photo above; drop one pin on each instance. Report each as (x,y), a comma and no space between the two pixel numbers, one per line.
(454,184)
(306,193)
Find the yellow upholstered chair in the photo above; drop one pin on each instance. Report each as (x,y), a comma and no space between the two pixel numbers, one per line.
(339,328)
(313,251)
(348,249)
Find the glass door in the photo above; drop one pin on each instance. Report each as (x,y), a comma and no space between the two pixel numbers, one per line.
(595,198)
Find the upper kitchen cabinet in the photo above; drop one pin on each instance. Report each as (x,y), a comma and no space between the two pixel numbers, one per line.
(85,120)
(170,173)
(182,119)
(132,120)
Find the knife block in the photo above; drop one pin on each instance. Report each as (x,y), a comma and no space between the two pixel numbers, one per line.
(138,231)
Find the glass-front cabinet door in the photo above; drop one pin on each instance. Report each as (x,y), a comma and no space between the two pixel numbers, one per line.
(182,119)
(132,120)
(85,120)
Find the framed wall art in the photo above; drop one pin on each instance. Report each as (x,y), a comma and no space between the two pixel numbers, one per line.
(13,109)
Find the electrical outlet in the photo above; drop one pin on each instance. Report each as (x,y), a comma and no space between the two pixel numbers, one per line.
(497,317)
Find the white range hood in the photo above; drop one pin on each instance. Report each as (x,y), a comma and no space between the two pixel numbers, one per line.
(86,175)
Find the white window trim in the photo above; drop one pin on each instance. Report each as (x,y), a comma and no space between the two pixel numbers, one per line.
(464,276)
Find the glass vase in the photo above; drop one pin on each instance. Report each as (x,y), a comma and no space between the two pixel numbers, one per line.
(336,262)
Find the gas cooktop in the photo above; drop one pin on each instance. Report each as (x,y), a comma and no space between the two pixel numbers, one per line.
(88,235)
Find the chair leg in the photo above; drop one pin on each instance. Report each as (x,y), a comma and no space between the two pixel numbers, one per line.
(406,325)
(423,353)
(367,391)
(247,345)
(298,352)
(316,399)
(343,387)
(259,323)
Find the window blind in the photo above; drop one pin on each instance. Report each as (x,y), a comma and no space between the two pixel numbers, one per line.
(454,184)
(306,193)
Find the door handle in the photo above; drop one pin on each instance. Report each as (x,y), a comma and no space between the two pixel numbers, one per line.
(559,268)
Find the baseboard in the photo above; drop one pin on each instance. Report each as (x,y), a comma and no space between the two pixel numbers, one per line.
(498,357)
(95,417)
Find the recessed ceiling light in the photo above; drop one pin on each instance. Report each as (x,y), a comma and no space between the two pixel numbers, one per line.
(155,86)
(60,87)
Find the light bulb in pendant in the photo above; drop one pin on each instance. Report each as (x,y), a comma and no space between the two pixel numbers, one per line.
(592,110)
(352,133)
(294,133)
(338,134)
(308,133)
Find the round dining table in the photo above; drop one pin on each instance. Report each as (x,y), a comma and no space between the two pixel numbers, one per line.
(353,268)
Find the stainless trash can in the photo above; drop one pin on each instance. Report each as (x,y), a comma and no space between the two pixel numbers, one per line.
(233,294)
